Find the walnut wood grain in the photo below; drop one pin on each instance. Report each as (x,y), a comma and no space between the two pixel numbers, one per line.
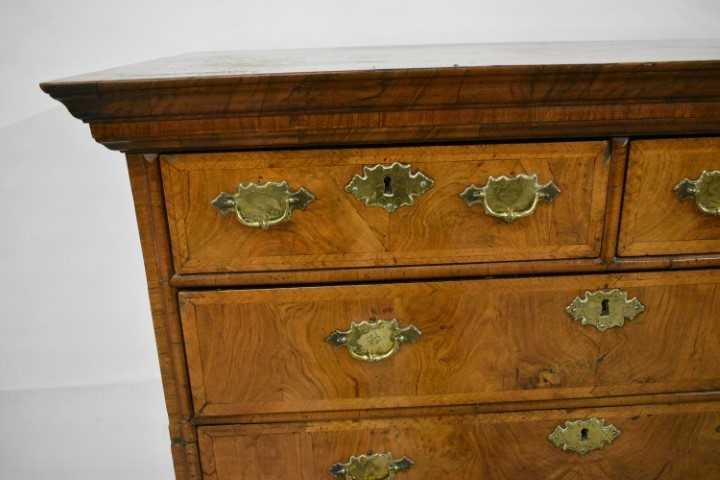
(655,221)
(419,272)
(500,406)
(670,262)
(150,212)
(500,362)
(264,351)
(337,230)
(416,94)
(657,442)
(616,183)
(427,272)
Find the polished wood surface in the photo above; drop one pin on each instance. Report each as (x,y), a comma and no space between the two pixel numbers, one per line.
(252,389)
(349,59)
(337,230)
(483,341)
(656,442)
(619,148)
(400,95)
(498,406)
(429,272)
(608,260)
(655,221)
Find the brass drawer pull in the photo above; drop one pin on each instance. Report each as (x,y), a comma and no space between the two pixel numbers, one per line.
(263,205)
(605,309)
(584,436)
(373,466)
(510,198)
(705,190)
(389,186)
(374,340)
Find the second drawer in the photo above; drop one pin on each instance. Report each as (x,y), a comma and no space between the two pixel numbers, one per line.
(395,345)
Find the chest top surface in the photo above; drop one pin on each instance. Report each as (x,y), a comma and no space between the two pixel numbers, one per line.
(250,63)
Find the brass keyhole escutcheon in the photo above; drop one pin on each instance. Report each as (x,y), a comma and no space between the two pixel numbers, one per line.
(583,436)
(389,186)
(605,309)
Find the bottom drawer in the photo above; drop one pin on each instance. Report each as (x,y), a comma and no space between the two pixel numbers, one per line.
(651,442)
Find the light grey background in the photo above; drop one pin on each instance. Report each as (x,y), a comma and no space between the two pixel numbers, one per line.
(80,396)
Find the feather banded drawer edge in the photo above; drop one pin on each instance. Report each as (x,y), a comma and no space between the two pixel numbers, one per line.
(495,261)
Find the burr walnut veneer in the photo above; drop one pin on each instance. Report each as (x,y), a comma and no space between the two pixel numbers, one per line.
(457,262)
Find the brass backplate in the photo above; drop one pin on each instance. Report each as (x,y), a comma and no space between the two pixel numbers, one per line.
(583,436)
(389,186)
(510,198)
(705,190)
(263,205)
(373,466)
(605,309)
(374,340)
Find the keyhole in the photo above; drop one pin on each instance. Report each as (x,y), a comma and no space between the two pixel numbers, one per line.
(388,190)
(605,308)
(584,434)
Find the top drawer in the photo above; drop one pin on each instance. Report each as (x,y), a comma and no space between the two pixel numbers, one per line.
(432,224)
(660,216)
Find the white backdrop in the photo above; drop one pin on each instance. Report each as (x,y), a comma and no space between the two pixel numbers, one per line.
(79,380)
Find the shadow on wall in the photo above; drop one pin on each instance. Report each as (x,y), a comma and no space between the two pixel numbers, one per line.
(74,297)
(109,432)
(80,394)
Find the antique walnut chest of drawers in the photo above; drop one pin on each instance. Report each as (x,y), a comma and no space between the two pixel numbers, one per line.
(461,262)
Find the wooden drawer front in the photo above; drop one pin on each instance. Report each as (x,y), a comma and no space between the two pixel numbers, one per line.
(265,351)
(338,230)
(655,442)
(655,221)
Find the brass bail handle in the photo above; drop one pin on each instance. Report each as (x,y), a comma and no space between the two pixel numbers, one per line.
(373,466)
(705,190)
(263,205)
(510,198)
(374,340)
